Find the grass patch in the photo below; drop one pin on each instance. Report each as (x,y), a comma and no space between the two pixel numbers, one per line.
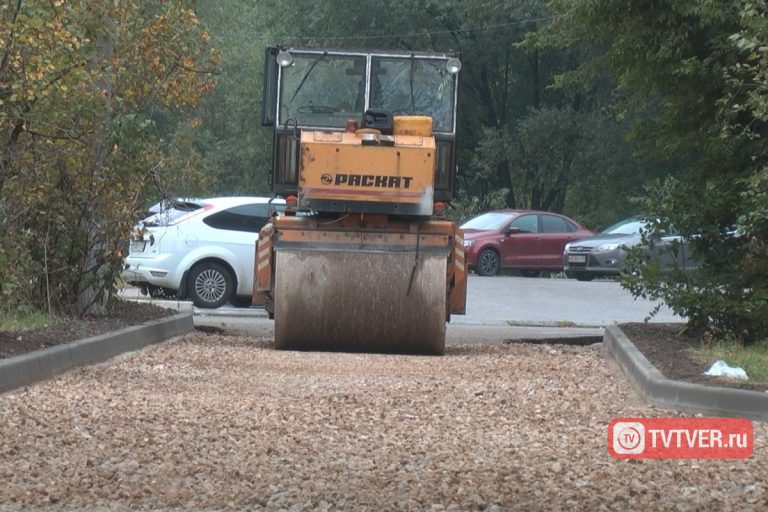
(753,358)
(24,319)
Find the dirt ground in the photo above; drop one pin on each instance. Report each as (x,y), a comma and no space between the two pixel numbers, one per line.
(121,314)
(669,347)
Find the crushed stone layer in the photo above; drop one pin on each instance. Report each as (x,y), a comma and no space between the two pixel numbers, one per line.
(218,422)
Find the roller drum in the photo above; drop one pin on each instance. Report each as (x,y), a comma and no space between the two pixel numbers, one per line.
(356,301)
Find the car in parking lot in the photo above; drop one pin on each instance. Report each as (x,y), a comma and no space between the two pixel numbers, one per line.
(526,240)
(201,249)
(605,254)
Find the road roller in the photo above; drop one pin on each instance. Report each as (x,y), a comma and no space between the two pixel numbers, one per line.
(363,258)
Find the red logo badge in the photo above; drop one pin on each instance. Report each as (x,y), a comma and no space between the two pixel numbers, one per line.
(680,438)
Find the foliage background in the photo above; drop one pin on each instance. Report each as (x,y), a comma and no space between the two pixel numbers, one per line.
(692,74)
(84,87)
(595,109)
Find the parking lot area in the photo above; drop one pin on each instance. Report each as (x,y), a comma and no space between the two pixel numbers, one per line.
(217,421)
(545,301)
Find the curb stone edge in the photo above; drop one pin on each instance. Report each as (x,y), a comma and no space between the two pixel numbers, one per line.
(682,396)
(26,369)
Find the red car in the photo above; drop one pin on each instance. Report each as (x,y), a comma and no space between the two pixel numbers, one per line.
(519,239)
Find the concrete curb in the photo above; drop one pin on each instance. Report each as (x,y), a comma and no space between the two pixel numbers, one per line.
(562,323)
(684,396)
(186,306)
(26,369)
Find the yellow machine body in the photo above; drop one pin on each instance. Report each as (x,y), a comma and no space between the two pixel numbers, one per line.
(344,171)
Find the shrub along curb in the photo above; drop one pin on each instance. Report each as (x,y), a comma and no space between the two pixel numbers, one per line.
(26,369)
(684,396)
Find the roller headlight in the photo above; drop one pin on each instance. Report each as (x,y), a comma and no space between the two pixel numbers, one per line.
(453,65)
(284,58)
(468,243)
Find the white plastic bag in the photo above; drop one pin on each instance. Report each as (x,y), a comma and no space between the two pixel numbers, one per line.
(720,369)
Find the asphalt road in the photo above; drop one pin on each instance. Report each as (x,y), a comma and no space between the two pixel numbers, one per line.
(546,301)
(501,307)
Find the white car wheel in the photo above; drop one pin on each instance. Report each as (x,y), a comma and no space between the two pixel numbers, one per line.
(210,285)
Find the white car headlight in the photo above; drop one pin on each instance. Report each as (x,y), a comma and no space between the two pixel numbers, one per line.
(468,243)
(567,247)
(606,247)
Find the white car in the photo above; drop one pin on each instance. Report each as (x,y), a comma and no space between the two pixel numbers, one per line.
(201,249)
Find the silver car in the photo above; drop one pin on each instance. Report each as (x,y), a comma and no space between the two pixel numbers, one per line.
(605,253)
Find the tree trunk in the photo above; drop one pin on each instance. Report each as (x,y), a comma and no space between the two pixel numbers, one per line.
(91,296)
(506,181)
(533,62)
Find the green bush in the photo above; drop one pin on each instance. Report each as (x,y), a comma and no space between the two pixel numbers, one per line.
(78,147)
(728,294)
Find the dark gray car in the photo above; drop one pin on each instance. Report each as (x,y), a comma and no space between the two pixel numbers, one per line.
(605,253)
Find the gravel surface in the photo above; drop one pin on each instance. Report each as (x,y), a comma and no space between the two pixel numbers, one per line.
(224,422)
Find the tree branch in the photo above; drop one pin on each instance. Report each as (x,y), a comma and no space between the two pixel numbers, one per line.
(4,63)
(193,70)
(51,136)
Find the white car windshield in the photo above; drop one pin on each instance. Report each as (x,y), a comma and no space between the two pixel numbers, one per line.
(488,221)
(170,215)
(630,226)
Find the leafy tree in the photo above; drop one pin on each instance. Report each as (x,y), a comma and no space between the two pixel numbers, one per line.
(544,147)
(234,146)
(693,69)
(79,82)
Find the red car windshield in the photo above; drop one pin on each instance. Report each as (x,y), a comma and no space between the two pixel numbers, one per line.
(488,221)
